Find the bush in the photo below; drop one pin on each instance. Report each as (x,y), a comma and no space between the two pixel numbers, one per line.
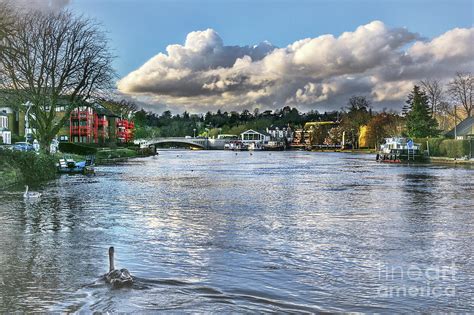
(454,148)
(435,147)
(29,166)
(445,147)
(74,148)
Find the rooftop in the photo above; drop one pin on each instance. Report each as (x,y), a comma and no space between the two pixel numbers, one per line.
(464,128)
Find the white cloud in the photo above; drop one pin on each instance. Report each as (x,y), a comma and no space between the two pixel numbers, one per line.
(321,72)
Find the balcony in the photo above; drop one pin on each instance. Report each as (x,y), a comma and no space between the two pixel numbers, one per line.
(83,130)
(122,124)
(103,123)
(80,114)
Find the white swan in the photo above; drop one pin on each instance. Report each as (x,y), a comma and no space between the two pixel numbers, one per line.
(117,278)
(30,194)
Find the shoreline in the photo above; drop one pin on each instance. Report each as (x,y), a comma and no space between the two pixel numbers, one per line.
(451,161)
(11,176)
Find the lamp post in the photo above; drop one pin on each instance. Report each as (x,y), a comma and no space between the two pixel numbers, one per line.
(455,124)
(27,119)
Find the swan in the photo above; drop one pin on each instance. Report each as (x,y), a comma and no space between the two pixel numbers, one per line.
(117,278)
(30,194)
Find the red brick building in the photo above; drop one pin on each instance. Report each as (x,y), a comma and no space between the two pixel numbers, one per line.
(96,124)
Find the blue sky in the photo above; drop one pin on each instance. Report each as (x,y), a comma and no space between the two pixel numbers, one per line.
(139,29)
(200,55)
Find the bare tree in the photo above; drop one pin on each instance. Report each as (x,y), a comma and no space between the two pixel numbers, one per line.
(6,22)
(124,108)
(461,90)
(57,61)
(434,90)
(446,115)
(359,102)
(7,16)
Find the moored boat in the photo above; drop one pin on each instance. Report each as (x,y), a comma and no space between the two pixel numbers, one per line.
(69,166)
(399,150)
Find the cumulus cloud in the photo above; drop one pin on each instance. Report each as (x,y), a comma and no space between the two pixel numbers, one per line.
(313,73)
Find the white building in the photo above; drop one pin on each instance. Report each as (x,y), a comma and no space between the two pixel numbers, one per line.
(5,134)
(283,133)
(254,139)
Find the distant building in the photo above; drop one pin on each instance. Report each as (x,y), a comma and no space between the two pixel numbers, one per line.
(16,120)
(5,133)
(464,130)
(254,139)
(313,133)
(91,123)
(281,133)
(124,130)
(96,124)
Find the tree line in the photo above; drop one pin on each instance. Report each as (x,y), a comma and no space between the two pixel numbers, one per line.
(430,109)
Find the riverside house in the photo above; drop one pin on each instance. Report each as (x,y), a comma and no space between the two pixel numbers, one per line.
(254,139)
(281,133)
(86,124)
(5,133)
(463,131)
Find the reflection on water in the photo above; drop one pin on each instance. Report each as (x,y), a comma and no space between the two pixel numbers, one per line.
(215,231)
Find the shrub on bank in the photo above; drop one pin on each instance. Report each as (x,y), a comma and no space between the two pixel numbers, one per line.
(74,148)
(455,148)
(441,147)
(29,167)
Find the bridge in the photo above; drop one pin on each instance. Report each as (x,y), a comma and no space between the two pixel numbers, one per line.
(203,143)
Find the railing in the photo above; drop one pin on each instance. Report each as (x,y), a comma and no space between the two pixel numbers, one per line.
(81,115)
(81,129)
(102,122)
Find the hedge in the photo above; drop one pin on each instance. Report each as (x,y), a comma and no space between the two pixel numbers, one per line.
(74,148)
(446,147)
(27,166)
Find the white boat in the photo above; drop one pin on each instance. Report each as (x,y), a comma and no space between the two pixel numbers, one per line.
(399,149)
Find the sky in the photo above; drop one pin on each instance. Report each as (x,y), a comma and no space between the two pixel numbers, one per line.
(208,54)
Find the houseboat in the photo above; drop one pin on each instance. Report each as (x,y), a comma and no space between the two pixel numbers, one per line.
(398,150)
(274,146)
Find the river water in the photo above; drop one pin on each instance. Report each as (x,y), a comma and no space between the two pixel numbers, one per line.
(219,231)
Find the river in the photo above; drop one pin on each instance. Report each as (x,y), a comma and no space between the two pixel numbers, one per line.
(219,231)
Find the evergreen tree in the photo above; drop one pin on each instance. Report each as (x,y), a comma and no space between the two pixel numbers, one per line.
(419,122)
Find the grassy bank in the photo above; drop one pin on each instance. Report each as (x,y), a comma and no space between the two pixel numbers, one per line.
(108,156)
(25,167)
(104,155)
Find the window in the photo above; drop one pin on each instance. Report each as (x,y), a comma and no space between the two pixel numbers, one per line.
(3,122)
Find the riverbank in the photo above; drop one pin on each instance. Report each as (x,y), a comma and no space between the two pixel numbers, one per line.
(447,160)
(18,167)
(25,167)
